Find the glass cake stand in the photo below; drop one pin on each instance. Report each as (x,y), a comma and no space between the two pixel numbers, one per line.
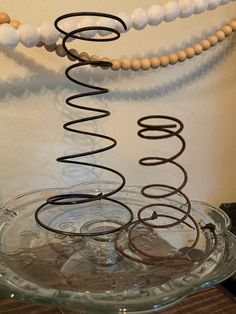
(91,274)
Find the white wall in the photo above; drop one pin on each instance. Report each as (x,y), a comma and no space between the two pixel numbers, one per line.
(201,92)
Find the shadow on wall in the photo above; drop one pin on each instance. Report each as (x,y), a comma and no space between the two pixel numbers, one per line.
(41,77)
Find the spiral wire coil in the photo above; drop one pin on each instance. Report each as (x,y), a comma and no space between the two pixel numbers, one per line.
(167,132)
(97,113)
(171,127)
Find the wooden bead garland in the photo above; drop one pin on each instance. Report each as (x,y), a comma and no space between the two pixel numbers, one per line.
(156,62)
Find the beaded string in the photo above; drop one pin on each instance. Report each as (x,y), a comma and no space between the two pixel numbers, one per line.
(126,63)
(153,62)
(12,31)
(5,19)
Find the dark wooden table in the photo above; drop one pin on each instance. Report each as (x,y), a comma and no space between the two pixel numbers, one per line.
(210,301)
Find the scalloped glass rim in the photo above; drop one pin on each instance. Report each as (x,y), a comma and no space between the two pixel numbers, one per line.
(144,300)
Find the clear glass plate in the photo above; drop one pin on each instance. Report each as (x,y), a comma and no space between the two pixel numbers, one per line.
(88,273)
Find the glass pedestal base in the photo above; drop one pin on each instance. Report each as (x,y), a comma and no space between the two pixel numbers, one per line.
(89,273)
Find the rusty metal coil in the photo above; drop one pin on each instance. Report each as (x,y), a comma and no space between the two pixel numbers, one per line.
(96,113)
(159,127)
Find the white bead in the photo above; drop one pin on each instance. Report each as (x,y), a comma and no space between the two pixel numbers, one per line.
(128,21)
(107,23)
(68,26)
(28,35)
(48,33)
(139,18)
(200,6)
(186,8)
(88,21)
(171,11)
(155,14)
(8,36)
(213,4)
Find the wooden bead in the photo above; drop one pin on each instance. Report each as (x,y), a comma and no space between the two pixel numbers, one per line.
(60,51)
(105,59)
(145,64)
(40,44)
(213,40)
(205,44)
(164,61)
(227,30)
(94,58)
(220,36)
(125,64)
(50,48)
(155,62)
(84,55)
(136,64)
(116,64)
(232,24)
(74,52)
(15,24)
(190,52)
(198,49)
(173,58)
(4,18)
(181,55)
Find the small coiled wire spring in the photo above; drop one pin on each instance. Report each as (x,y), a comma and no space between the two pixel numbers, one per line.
(134,250)
(172,128)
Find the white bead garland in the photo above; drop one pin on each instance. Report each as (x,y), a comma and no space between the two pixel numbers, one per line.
(171,11)
(155,15)
(30,35)
(139,18)
(48,33)
(213,4)
(186,8)
(200,6)
(107,23)
(68,26)
(8,36)
(128,21)
(88,21)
